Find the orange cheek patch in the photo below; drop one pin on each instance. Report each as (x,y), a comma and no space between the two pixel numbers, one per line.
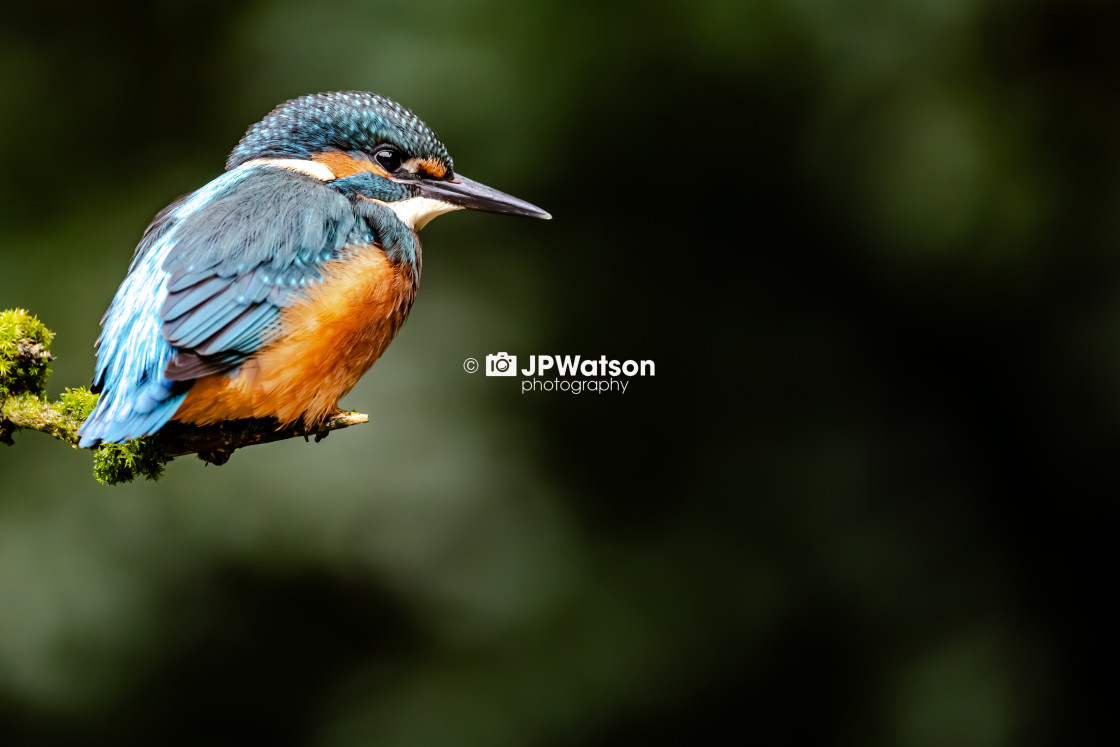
(432,167)
(342,164)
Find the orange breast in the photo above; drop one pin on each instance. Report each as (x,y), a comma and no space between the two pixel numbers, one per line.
(326,342)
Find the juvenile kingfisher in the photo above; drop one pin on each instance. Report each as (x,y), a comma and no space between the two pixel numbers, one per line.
(271,290)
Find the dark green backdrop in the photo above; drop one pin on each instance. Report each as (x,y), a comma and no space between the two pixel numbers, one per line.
(868,499)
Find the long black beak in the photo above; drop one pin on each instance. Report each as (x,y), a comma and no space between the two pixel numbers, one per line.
(474,196)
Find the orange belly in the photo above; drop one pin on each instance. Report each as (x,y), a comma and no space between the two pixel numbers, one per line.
(326,342)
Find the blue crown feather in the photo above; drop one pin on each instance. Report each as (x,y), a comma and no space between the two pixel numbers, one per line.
(345,121)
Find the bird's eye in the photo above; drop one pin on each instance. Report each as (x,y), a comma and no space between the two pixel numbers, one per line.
(390,160)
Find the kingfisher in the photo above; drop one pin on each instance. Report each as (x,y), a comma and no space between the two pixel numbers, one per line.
(270,291)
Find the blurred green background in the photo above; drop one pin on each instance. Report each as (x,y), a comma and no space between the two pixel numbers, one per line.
(868,499)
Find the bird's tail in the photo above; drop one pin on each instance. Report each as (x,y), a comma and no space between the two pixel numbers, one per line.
(122,415)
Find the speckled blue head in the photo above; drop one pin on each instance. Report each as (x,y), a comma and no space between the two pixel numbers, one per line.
(345,121)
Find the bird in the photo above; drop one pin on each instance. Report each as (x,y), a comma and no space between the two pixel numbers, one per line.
(270,291)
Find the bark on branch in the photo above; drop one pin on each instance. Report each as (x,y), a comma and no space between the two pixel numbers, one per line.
(215,443)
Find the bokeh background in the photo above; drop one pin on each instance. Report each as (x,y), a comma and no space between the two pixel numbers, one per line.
(868,499)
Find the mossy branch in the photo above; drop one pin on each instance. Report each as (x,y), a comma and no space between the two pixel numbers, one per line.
(24,366)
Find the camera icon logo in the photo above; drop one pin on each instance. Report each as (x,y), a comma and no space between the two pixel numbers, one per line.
(501,364)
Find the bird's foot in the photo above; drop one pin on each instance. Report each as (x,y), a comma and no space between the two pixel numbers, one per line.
(317,430)
(320,428)
(217,457)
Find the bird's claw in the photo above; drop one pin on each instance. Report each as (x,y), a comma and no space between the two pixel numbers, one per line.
(217,457)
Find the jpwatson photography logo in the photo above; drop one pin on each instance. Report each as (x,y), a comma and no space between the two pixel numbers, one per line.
(573,373)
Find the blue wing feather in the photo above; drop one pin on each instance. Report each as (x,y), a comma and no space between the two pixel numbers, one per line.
(192,296)
(273,231)
(205,289)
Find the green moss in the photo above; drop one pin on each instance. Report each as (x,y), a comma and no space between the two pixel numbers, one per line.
(24,365)
(117,463)
(77,403)
(60,420)
(25,354)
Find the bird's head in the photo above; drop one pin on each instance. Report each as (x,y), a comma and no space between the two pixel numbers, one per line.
(381,148)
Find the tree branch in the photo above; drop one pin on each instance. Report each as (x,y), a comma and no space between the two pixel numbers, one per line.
(24,366)
(211,442)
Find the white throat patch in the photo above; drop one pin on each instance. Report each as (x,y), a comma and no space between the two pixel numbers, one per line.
(415,212)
